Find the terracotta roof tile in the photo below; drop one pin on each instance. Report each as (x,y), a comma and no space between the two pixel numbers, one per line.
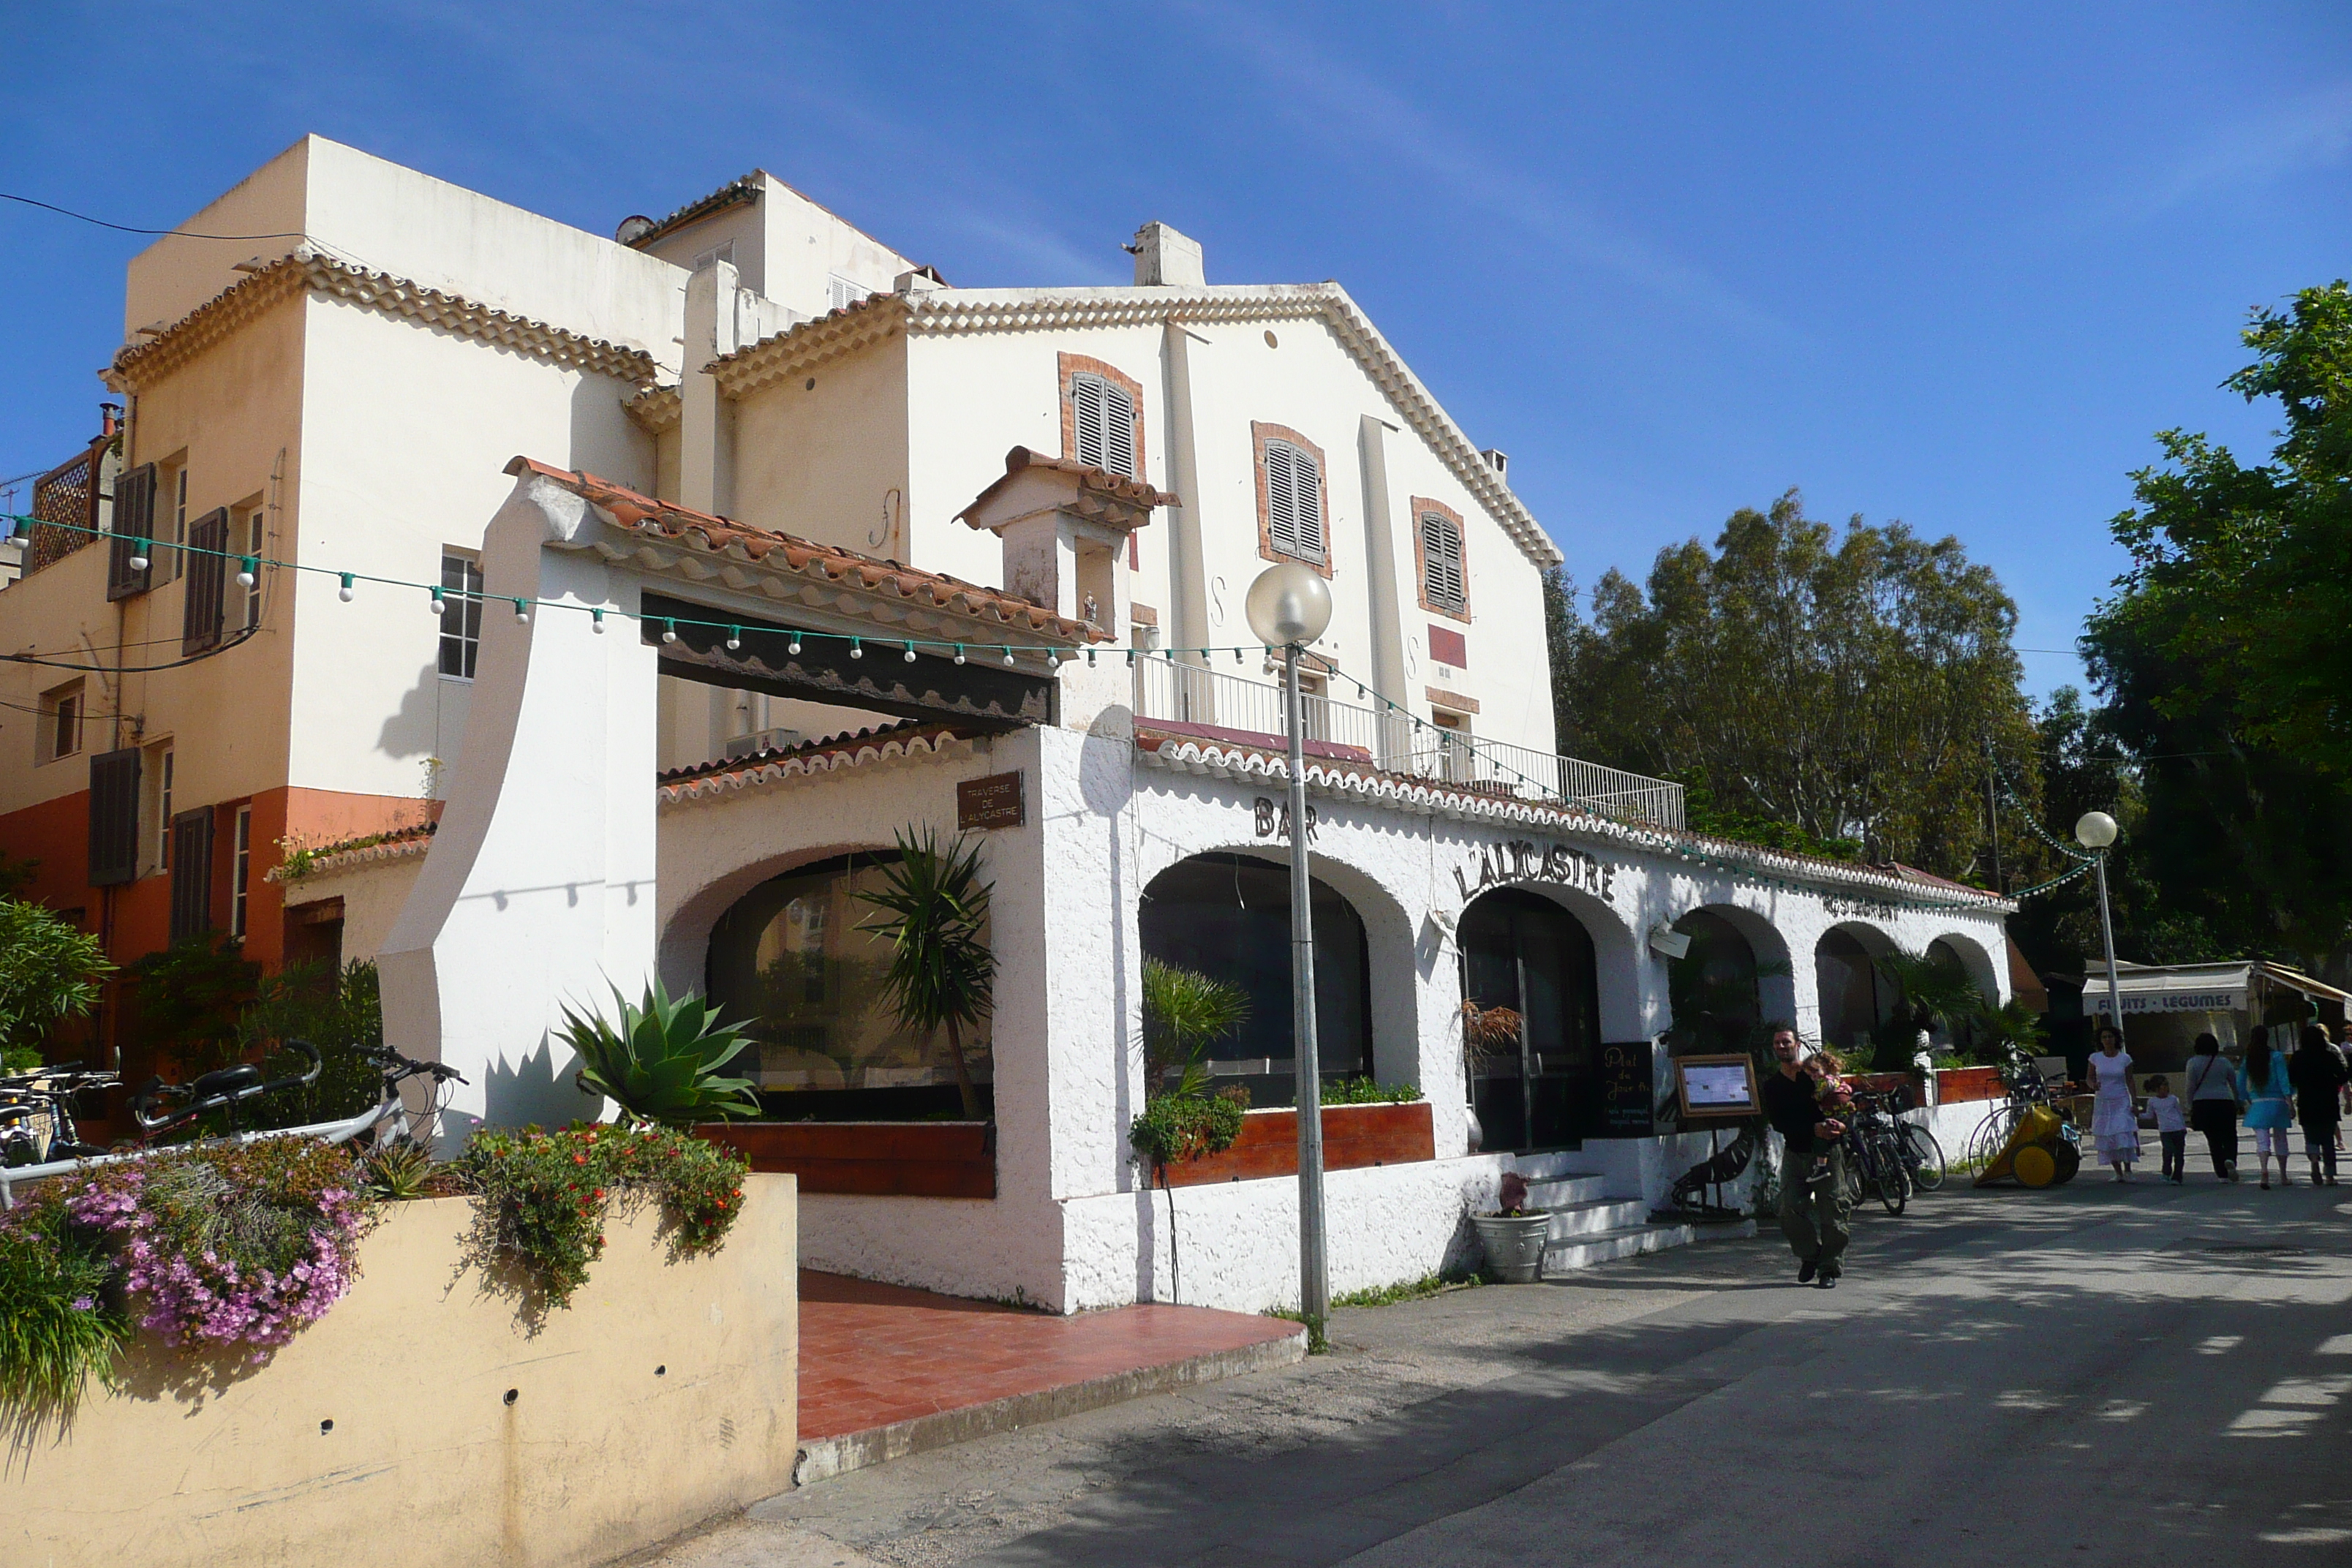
(1119,487)
(643,514)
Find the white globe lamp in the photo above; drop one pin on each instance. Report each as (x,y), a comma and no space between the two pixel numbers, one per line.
(1288,605)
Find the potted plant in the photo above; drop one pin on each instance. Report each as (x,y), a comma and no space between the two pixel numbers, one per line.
(1184,1011)
(1488,1034)
(941,973)
(1513,1233)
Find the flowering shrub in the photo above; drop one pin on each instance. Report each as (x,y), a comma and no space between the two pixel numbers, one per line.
(59,1323)
(543,1197)
(227,1245)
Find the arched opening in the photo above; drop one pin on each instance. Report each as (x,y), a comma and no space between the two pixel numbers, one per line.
(788,963)
(1523,951)
(1712,988)
(1855,999)
(1228,917)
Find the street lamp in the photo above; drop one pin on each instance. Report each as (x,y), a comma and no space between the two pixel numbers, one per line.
(2095,832)
(1288,606)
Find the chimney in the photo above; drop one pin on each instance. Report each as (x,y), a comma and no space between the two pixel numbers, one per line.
(1499,460)
(1164,258)
(706,452)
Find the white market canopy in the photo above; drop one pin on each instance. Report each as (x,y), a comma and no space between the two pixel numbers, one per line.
(2197,987)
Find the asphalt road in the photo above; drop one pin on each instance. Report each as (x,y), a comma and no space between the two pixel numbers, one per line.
(2138,1375)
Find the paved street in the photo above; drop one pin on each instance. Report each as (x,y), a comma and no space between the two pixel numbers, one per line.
(2134,1375)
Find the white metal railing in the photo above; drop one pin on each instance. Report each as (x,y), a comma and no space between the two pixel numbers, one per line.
(1396,743)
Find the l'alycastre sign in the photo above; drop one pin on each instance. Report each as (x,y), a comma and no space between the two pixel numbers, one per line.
(1523,860)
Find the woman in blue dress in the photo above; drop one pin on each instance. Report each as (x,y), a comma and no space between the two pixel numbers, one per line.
(2265,1086)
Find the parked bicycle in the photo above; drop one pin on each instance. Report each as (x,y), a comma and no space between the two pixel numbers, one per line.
(1922,1156)
(37,1113)
(2027,1089)
(1873,1155)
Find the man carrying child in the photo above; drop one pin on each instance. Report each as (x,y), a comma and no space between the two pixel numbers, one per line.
(1813,1208)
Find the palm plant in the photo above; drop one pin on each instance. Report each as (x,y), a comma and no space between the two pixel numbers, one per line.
(1935,993)
(663,1062)
(1184,1011)
(941,974)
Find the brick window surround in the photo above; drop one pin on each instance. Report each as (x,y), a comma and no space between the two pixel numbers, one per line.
(1069,366)
(1423,505)
(1260,434)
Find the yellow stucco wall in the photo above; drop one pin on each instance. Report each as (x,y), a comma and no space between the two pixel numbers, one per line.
(666,1394)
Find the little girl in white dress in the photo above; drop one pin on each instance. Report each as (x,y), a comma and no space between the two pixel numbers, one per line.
(2115,1125)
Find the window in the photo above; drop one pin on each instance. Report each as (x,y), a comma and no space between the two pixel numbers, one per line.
(1290,497)
(162,815)
(240,870)
(461,614)
(134,529)
(203,614)
(840,292)
(1102,425)
(1437,546)
(249,536)
(114,818)
(192,874)
(60,724)
(790,957)
(1519,950)
(723,251)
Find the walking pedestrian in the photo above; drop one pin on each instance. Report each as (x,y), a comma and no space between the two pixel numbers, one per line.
(1812,1213)
(2171,1124)
(2115,1124)
(2318,1074)
(2264,1085)
(2213,1104)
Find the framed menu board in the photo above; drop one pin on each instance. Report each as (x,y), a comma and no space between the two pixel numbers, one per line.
(1717,1089)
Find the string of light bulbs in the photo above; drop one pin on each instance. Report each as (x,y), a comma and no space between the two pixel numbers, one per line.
(440,597)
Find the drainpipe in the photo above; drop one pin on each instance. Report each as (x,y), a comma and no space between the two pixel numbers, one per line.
(706,450)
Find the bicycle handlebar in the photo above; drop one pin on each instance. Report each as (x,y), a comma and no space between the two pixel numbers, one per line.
(216,1090)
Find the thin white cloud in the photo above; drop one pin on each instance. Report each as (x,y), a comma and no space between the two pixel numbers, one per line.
(2312,131)
(1353,113)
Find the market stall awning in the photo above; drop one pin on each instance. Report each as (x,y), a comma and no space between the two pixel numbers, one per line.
(2199,987)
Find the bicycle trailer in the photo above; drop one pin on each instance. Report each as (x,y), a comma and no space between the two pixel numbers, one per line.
(2041,1150)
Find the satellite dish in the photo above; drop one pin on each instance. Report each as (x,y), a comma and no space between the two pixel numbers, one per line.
(634,227)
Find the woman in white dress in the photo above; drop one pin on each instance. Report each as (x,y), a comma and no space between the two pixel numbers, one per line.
(2115,1125)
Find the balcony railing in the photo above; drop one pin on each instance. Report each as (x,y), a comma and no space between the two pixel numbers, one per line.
(1216,705)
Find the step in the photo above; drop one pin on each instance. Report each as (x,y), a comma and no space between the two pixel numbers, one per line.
(1573,1221)
(1634,1241)
(1558,1191)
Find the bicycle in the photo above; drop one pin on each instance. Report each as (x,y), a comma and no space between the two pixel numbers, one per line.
(158,1107)
(1873,1156)
(37,1113)
(1922,1156)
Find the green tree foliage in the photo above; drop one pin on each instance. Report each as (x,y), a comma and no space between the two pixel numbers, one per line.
(340,1013)
(2224,654)
(190,1000)
(50,972)
(1841,684)
(941,974)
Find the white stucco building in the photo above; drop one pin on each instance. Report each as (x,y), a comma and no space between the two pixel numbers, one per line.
(757,545)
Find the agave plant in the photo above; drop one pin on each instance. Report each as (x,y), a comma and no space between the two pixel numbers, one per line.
(663,1062)
(941,973)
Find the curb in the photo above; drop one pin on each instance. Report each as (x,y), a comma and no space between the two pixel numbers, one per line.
(824,1457)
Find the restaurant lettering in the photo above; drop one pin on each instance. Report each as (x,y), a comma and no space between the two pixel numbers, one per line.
(1274,820)
(1521,860)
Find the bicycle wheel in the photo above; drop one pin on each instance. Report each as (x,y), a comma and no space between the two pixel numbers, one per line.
(1924,1157)
(1894,1178)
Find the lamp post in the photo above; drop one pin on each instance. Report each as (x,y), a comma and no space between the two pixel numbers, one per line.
(1288,606)
(2095,832)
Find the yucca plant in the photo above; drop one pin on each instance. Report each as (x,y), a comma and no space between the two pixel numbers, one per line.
(663,1063)
(1936,994)
(941,974)
(1184,1011)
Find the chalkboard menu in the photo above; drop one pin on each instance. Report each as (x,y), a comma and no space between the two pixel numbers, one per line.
(1627,1105)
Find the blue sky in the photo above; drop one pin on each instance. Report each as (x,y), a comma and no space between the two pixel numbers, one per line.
(1953,265)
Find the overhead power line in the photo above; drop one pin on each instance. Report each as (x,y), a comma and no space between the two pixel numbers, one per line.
(133,228)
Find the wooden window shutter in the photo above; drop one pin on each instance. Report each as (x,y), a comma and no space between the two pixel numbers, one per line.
(1118,431)
(134,533)
(192,873)
(1293,501)
(114,817)
(207,571)
(1442,578)
(1102,419)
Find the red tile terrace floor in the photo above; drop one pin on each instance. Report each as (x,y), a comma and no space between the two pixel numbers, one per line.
(875,1355)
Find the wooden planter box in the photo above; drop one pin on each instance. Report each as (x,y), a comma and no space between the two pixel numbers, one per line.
(1354,1136)
(1970,1083)
(1914,1087)
(878,1159)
